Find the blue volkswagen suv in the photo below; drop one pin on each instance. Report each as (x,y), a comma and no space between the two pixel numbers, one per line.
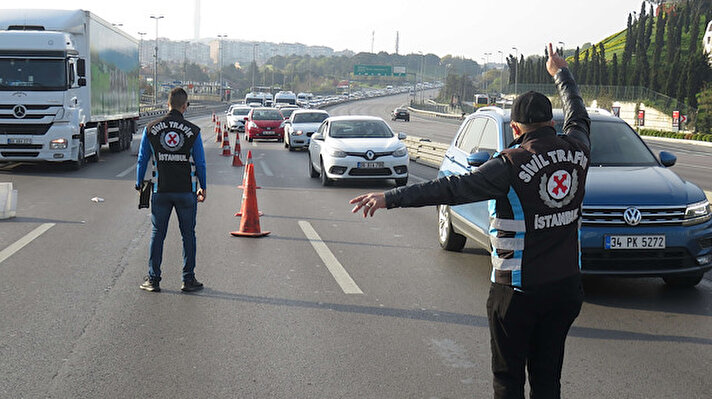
(639,218)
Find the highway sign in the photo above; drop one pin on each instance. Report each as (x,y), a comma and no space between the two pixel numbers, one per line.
(398,71)
(373,70)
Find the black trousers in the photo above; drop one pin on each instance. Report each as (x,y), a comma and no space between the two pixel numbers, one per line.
(528,329)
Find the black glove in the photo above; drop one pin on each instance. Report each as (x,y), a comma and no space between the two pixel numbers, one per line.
(138,187)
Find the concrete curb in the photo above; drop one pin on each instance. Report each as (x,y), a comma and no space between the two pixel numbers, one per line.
(8,201)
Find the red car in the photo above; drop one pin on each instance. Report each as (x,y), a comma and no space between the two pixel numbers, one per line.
(264,123)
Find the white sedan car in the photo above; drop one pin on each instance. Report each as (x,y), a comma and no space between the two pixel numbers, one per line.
(357,147)
(301,125)
(236,118)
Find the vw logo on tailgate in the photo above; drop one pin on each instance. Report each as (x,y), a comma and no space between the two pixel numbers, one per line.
(632,216)
(19,111)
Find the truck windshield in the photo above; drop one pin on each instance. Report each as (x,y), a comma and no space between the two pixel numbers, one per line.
(32,74)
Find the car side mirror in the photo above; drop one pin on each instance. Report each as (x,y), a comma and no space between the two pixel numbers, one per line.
(317,136)
(667,158)
(402,136)
(478,158)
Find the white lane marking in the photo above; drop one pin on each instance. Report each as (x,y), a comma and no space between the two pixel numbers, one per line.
(347,284)
(418,179)
(266,168)
(254,144)
(127,171)
(19,244)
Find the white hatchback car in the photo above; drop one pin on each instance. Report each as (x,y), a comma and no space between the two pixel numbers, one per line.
(357,147)
(301,125)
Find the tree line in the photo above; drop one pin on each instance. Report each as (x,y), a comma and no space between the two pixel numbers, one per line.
(661,50)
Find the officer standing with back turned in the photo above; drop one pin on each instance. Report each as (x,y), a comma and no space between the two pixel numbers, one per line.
(179,164)
(535,188)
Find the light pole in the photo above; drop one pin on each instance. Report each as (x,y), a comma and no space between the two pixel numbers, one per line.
(484,76)
(562,48)
(501,72)
(220,65)
(422,71)
(155,63)
(254,63)
(140,45)
(516,68)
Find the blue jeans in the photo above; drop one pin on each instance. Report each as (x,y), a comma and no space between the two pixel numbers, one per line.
(162,204)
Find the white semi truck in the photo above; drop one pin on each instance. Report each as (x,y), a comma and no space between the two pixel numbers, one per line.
(68,85)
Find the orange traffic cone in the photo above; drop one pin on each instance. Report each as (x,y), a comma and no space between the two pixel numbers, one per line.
(250,221)
(236,154)
(213,116)
(244,180)
(226,145)
(218,134)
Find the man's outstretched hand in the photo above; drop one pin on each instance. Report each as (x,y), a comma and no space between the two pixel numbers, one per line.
(369,202)
(555,62)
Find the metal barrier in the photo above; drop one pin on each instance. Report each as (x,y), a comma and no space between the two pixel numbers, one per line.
(425,151)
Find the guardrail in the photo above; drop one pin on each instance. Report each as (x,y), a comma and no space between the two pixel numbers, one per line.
(424,151)
(434,114)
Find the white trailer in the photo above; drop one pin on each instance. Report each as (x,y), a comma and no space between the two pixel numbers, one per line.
(68,84)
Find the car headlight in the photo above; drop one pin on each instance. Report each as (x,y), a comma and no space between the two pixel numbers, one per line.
(252,125)
(401,152)
(336,153)
(297,133)
(58,144)
(697,213)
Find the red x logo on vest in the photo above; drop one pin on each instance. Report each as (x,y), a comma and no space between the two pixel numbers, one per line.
(559,184)
(172,139)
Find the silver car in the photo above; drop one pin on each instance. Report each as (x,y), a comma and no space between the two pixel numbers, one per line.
(300,126)
(236,118)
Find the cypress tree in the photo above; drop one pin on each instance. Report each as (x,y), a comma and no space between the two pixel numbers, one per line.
(627,52)
(584,68)
(602,67)
(670,42)
(614,70)
(649,27)
(657,69)
(673,78)
(576,63)
(595,80)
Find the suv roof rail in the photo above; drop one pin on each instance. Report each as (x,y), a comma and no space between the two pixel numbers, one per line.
(492,108)
(598,111)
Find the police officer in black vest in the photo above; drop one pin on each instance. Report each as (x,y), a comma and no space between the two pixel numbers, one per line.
(179,165)
(537,186)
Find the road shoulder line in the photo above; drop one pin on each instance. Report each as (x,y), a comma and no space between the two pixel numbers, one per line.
(342,277)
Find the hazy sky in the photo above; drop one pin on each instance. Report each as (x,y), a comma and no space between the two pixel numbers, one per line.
(460,28)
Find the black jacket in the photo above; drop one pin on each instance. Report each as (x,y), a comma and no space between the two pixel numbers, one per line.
(536,187)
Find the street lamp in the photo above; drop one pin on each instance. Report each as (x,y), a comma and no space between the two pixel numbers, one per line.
(220,64)
(155,64)
(516,68)
(254,63)
(501,72)
(484,73)
(140,45)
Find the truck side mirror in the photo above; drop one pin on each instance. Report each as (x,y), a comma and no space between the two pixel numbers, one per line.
(82,82)
(82,69)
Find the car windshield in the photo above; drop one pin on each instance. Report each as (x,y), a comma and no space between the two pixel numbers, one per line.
(310,117)
(241,111)
(360,129)
(613,143)
(32,74)
(401,110)
(287,112)
(266,115)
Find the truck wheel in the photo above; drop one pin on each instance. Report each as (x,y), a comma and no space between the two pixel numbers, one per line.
(447,237)
(79,162)
(683,281)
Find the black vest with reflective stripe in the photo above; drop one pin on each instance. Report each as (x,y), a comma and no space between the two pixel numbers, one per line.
(172,138)
(535,229)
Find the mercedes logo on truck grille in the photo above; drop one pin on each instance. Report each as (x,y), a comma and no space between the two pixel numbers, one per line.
(19,111)
(632,216)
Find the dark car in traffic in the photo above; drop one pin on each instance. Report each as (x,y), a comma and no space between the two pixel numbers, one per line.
(400,113)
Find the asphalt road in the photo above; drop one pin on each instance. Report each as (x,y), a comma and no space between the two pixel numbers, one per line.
(274,320)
